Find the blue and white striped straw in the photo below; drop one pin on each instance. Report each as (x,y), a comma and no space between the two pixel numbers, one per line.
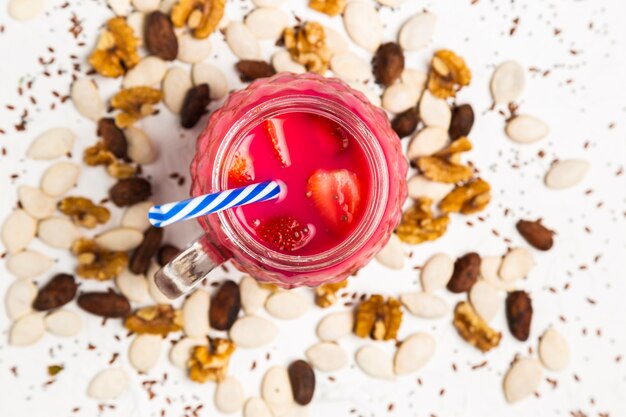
(166,214)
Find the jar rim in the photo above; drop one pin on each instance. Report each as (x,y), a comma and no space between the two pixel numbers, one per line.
(377,165)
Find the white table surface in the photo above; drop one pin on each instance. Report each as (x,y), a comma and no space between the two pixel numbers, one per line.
(582,98)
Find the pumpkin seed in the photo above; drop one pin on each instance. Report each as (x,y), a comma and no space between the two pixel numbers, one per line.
(51,144)
(140,148)
(18,231)
(35,202)
(553,350)
(566,173)
(120,239)
(229,395)
(192,50)
(327,356)
(286,305)
(119,7)
(335,326)
(425,305)
(64,323)
(526,129)
(181,351)
(136,216)
(516,264)
(374,362)
(507,82)
(434,111)
(414,352)
(267,22)
(399,97)
(144,351)
(436,272)
(149,71)
(59,178)
(419,186)
(426,142)
(19,298)
(350,67)
(282,62)
(253,295)
(256,407)
(134,287)
(392,254)
(146,5)
(58,232)
(363,25)
(485,300)
(276,390)
(522,379)
(196,314)
(28,264)
(86,99)
(27,330)
(108,384)
(253,331)
(417,32)
(203,73)
(242,41)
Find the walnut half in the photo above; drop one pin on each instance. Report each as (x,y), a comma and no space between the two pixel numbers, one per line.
(418,224)
(116,50)
(377,318)
(307,45)
(326,294)
(84,212)
(134,103)
(96,262)
(474,329)
(160,319)
(202,16)
(448,74)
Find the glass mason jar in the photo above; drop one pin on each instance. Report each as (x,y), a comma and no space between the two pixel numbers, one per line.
(226,239)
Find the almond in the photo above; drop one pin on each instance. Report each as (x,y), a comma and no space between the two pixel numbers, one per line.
(225,306)
(461,122)
(160,38)
(140,260)
(194,105)
(519,313)
(302,380)
(60,290)
(113,137)
(35,202)
(405,123)
(129,191)
(251,70)
(388,63)
(106,304)
(466,271)
(536,234)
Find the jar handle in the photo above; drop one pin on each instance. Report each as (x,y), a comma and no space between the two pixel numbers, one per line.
(188,268)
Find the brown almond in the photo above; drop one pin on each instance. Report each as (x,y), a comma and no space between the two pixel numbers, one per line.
(60,290)
(160,37)
(140,261)
(129,191)
(465,275)
(166,253)
(536,234)
(461,122)
(113,137)
(388,63)
(105,304)
(519,314)
(251,70)
(195,105)
(302,379)
(405,123)
(225,306)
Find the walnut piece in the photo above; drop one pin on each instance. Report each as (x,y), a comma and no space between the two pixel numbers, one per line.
(377,318)
(84,212)
(96,262)
(120,170)
(459,146)
(329,7)
(307,45)
(474,329)
(135,103)
(98,154)
(159,319)
(202,16)
(326,294)
(116,50)
(469,198)
(210,362)
(443,170)
(418,224)
(448,74)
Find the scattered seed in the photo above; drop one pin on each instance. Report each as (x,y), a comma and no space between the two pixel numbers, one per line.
(335,42)
(427,142)
(225,306)
(519,313)
(140,148)
(146,6)
(136,216)
(489,271)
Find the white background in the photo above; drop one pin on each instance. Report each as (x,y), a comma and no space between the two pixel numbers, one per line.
(582,98)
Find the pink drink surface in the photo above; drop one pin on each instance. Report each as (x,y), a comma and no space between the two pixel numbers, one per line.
(327,182)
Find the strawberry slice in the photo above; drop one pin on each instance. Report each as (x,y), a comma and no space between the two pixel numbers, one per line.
(332,136)
(274,130)
(241,171)
(284,233)
(336,196)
